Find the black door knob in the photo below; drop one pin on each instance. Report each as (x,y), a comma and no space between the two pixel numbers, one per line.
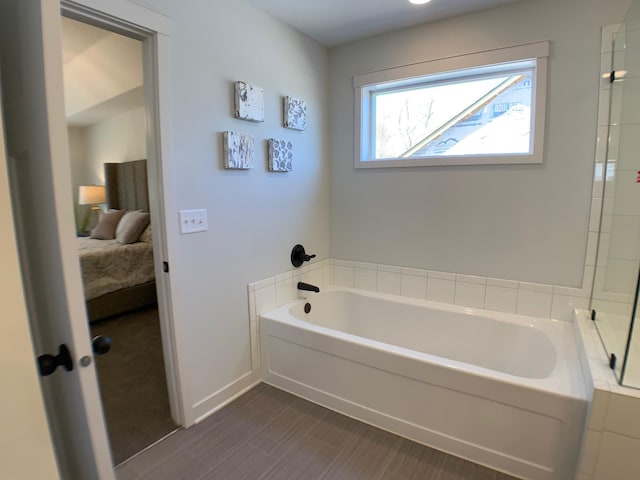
(101,344)
(47,364)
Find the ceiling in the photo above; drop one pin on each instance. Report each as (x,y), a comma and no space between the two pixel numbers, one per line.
(335,22)
(102,73)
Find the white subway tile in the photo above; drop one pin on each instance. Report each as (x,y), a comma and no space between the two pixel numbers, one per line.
(623,415)
(618,458)
(251,297)
(535,287)
(366,266)
(285,291)
(624,238)
(344,263)
(344,276)
(255,345)
(535,304)
(389,268)
(631,96)
(501,299)
(263,283)
(471,279)
(265,299)
(587,280)
(616,100)
(327,275)
(414,286)
(470,294)
(591,448)
(605,226)
(314,277)
(608,31)
(603,108)
(284,276)
(599,407)
(499,282)
(366,279)
(568,291)
(440,290)
(592,249)
(442,275)
(415,272)
(562,307)
(596,210)
(389,282)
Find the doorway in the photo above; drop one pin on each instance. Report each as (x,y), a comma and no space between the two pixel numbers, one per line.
(105,107)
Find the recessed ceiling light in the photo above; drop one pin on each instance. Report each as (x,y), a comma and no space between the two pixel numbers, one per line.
(419,2)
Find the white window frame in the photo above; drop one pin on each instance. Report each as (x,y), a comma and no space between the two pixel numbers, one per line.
(366,84)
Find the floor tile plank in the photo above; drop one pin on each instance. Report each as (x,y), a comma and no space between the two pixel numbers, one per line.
(269,434)
(307,460)
(365,459)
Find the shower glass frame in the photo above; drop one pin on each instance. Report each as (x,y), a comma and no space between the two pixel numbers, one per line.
(616,284)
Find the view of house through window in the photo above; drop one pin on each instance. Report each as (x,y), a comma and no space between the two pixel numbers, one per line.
(479,108)
(477,116)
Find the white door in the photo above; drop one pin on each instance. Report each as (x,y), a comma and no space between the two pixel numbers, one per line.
(26,451)
(40,181)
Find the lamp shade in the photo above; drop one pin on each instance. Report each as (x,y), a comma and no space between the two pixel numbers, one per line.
(91,194)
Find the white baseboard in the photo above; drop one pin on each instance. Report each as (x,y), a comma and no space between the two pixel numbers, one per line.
(225,395)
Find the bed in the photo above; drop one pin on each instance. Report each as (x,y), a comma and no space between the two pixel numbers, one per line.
(119,277)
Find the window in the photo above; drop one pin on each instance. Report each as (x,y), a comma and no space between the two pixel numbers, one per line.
(483,108)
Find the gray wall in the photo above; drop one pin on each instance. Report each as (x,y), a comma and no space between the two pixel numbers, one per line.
(517,222)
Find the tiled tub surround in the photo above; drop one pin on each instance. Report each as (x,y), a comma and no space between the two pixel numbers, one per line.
(612,434)
(506,296)
(504,390)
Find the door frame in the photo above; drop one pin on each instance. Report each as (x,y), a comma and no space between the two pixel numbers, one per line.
(153,30)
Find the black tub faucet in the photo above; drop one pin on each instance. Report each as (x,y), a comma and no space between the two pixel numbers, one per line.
(308,287)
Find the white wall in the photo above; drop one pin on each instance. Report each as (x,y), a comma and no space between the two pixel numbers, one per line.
(517,222)
(89,52)
(77,156)
(255,217)
(119,138)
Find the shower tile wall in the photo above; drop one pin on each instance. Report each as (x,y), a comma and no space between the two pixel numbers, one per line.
(612,432)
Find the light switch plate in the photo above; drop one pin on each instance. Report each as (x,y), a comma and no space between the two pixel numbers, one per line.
(192,221)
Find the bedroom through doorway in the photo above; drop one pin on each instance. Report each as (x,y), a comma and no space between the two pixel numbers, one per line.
(105,106)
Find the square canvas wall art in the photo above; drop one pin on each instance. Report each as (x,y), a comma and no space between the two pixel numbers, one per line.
(249,102)
(280,155)
(295,113)
(238,151)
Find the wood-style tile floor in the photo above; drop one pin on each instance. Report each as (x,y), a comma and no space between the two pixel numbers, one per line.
(270,434)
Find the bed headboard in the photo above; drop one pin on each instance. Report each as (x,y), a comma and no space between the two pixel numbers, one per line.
(126,185)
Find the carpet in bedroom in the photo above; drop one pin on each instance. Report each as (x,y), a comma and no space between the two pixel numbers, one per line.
(133,383)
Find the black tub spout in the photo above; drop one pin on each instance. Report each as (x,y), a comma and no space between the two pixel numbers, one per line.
(308,287)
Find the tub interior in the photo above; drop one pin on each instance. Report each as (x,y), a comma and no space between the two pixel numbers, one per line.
(459,334)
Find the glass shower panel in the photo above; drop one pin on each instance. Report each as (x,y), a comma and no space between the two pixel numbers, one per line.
(618,258)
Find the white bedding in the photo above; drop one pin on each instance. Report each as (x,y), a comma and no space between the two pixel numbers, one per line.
(108,266)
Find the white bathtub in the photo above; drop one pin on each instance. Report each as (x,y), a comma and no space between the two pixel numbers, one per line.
(505,391)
